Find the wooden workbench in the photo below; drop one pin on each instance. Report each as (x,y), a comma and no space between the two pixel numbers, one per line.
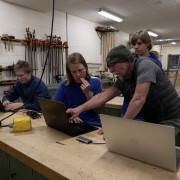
(74,160)
(113,107)
(115,103)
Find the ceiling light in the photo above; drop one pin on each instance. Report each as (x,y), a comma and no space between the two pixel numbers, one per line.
(173,43)
(109,15)
(152,34)
(112,27)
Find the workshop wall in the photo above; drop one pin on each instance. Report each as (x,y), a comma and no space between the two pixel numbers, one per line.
(169,49)
(81,35)
(164,50)
(15,20)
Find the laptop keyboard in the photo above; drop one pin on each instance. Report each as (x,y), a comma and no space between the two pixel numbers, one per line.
(2,109)
(81,128)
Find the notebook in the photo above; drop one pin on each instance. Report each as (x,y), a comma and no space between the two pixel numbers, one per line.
(55,116)
(147,142)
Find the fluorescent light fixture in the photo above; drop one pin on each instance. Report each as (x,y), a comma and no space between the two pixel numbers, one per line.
(173,43)
(112,27)
(152,34)
(109,15)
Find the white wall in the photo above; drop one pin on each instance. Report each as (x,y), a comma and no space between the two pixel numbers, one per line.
(121,38)
(14,20)
(83,38)
(81,34)
(169,49)
(164,50)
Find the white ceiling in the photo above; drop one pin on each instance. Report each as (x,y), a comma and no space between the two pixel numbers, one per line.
(159,16)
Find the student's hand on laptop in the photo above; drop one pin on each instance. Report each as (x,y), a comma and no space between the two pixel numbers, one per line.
(74,112)
(13,106)
(5,103)
(76,120)
(100,131)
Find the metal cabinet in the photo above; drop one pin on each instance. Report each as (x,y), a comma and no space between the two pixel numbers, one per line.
(111,112)
(4,165)
(13,169)
(173,67)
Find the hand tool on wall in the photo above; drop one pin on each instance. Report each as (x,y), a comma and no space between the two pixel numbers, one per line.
(5,44)
(11,44)
(26,44)
(8,82)
(36,51)
(8,45)
(5,36)
(0,70)
(65,46)
(62,63)
(9,70)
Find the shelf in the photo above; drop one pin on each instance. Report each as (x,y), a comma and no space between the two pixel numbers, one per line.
(9,39)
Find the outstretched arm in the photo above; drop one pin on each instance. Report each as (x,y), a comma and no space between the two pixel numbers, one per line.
(94,102)
(138,100)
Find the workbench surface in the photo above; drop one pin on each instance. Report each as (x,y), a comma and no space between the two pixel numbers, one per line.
(71,159)
(115,103)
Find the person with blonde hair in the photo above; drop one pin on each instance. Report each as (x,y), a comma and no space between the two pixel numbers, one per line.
(25,88)
(79,88)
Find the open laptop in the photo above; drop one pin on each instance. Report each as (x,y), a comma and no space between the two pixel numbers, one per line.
(2,108)
(55,116)
(147,142)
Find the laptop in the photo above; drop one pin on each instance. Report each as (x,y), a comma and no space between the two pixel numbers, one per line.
(2,108)
(55,116)
(147,142)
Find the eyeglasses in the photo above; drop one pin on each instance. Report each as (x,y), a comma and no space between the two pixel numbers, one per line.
(20,75)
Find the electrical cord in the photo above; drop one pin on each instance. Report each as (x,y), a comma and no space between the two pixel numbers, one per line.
(52,22)
(4,125)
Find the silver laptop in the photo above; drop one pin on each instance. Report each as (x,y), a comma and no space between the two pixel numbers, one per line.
(147,142)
